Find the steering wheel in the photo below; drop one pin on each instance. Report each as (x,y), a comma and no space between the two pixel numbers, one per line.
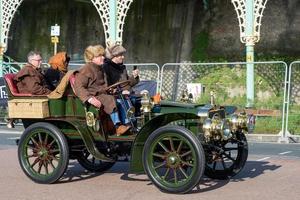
(120,84)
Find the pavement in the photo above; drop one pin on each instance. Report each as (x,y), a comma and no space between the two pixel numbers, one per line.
(273,138)
(263,177)
(250,137)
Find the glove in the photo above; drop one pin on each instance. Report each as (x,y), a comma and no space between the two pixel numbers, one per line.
(125,92)
(95,102)
(135,73)
(112,91)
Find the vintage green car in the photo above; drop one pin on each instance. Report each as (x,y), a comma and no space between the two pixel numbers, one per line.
(174,143)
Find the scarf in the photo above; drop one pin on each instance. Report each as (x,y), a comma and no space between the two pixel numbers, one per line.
(113,71)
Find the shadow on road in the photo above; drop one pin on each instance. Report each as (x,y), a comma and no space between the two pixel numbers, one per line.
(252,169)
(76,173)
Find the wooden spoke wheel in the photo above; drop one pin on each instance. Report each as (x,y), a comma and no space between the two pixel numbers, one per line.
(226,159)
(174,160)
(43,152)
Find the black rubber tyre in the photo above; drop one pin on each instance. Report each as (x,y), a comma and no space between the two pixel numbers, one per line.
(173,159)
(229,161)
(89,162)
(43,153)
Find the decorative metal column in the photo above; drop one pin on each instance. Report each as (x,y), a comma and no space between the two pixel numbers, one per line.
(1,45)
(112,14)
(113,19)
(249,53)
(249,13)
(7,11)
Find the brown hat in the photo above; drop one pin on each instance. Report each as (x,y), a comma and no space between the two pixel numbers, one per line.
(60,61)
(114,51)
(93,51)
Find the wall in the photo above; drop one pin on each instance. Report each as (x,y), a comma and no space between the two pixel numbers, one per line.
(156,31)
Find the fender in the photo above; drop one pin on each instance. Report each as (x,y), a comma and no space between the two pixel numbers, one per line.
(136,165)
(88,140)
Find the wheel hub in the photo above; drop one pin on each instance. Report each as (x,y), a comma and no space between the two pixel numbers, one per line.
(43,153)
(173,160)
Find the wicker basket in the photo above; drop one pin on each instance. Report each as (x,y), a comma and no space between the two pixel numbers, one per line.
(28,108)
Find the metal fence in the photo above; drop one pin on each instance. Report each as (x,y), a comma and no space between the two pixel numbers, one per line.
(293,100)
(277,88)
(228,81)
(148,72)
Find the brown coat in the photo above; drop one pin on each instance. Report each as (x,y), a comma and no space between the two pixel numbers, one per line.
(30,80)
(89,82)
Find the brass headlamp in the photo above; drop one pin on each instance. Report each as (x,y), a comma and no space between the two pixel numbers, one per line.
(238,121)
(216,128)
(242,121)
(145,101)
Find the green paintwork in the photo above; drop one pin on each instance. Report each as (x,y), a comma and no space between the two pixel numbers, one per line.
(89,140)
(68,105)
(136,165)
(77,129)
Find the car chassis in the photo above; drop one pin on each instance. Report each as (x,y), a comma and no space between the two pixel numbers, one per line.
(174,143)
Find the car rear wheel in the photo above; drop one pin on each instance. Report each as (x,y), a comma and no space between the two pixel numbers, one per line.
(43,152)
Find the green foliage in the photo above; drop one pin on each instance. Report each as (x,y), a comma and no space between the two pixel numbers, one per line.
(200,46)
(285,58)
(273,125)
(273,102)
(268,125)
(229,84)
(294,119)
(293,124)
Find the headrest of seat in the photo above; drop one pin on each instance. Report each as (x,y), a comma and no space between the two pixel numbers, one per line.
(9,78)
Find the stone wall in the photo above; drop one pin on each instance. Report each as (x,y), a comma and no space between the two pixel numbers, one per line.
(155,31)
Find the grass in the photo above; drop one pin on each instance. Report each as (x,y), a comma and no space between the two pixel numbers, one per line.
(268,125)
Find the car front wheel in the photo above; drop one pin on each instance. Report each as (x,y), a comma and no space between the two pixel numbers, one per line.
(174,159)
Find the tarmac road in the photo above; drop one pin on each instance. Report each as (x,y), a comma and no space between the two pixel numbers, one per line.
(274,178)
(271,172)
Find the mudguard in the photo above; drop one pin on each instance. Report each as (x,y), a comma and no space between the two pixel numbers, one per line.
(88,140)
(136,165)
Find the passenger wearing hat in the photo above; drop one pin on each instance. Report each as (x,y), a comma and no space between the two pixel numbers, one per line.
(90,86)
(58,68)
(116,71)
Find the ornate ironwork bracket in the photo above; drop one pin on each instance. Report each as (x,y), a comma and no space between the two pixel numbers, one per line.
(9,7)
(240,8)
(103,9)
